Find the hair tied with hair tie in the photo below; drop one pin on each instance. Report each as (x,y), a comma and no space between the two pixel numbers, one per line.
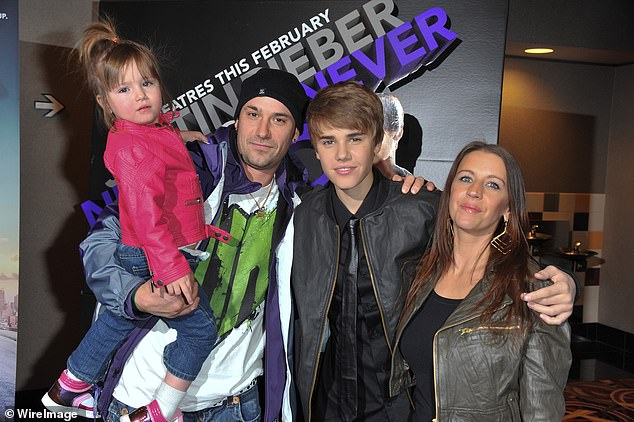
(115,40)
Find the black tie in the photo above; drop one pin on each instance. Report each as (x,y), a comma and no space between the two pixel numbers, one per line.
(347,354)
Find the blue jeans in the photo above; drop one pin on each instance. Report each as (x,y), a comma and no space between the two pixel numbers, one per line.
(243,407)
(183,357)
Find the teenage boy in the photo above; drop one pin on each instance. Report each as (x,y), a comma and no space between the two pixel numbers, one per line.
(348,250)
(351,239)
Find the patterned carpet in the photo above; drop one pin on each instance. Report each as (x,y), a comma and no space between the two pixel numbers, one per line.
(597,401)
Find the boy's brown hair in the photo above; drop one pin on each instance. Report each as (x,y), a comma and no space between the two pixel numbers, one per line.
(348,105)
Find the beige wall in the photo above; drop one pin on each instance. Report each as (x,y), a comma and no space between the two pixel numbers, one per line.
(544,104)
(617,279)
(556,120)
(54,165)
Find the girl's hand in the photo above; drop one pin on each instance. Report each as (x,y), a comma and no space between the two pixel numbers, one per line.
(193,135)
(185,286)
(157,302)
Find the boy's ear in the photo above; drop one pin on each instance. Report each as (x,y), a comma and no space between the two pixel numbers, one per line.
(377,147)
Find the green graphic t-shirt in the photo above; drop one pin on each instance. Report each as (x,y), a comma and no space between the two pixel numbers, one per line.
(236,275)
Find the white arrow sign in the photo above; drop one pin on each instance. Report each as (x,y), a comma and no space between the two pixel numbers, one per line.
(52,104)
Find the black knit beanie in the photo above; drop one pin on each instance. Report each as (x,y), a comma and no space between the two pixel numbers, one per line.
(279,85)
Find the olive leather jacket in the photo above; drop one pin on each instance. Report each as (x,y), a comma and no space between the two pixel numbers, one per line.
(478,377)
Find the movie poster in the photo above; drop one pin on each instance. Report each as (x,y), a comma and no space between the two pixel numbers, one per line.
(442,59)
(9,202)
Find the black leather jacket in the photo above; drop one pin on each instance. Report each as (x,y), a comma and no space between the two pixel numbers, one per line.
(397,231)
(479,379)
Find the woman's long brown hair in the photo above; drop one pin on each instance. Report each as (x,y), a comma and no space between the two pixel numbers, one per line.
(510,271)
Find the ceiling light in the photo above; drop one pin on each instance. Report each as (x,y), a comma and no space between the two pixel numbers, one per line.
(539,50)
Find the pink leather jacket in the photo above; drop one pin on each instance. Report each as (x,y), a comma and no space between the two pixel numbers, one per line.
(160,201)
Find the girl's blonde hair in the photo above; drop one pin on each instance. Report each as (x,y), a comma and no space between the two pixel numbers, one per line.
(104,57)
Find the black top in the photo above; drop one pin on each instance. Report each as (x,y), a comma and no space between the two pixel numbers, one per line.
(417,349)
(373,355)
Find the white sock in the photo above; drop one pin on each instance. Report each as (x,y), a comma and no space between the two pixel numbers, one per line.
(168,398)
(71,376)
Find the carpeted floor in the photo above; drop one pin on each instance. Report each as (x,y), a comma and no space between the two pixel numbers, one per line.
(597,401)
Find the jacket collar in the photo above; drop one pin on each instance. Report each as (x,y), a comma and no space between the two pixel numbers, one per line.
(130,127)
(381,185)
(465,310)
(288,177)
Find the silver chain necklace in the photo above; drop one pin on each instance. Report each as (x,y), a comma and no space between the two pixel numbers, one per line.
(261,209)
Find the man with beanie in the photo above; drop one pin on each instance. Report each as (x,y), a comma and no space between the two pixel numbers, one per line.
(249,189)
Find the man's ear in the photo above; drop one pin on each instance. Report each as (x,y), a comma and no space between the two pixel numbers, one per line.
(235,124)
(399,135)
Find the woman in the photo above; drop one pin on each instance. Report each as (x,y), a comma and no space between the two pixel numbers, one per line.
(476,351)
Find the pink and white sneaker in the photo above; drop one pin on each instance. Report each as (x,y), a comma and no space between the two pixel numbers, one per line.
(150,413)
(69,395)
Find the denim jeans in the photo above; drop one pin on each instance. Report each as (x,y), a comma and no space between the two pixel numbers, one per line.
(90,359)
(183,357)
(243,407)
